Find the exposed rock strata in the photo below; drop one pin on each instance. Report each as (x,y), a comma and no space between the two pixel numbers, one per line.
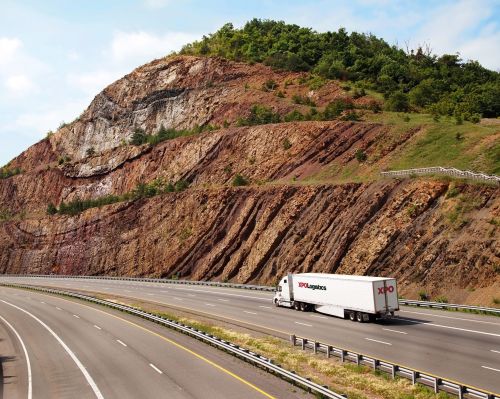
(445,245)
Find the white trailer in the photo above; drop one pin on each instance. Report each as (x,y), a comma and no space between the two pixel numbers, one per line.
(360,298)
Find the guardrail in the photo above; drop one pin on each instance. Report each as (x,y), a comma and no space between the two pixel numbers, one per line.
(435,382)
(439,170)
(235,350)
(444,305)
(151,280)
(408,302)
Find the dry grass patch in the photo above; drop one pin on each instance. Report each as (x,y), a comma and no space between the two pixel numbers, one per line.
(355,381)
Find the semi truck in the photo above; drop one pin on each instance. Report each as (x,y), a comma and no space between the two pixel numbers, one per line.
(359,298)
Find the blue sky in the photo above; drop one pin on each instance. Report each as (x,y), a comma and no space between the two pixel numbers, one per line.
(56,55)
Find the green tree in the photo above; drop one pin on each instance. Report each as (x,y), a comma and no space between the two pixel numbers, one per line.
(398,102)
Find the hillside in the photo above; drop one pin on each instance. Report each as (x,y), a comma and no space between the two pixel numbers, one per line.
(206,168)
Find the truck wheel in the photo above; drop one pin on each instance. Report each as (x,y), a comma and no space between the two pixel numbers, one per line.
(359,317)
(352,316)
(276,303)
(296,305)
(303,307)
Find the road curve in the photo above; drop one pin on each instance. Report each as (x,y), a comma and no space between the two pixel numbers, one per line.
(85,351)
(460,346)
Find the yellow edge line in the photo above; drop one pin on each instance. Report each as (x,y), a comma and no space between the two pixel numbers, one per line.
(173,343)
(309,339)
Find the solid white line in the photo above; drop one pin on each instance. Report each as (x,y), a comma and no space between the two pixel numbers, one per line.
(99,328)
(450,327)
(319,317)
(380,342)
(396,331)
(218,292)
(156,368)
(30,379)
(246,311)
(265,307)
(450,317)
(76,316)
(121,342)
(492,350)
(84,371)
(303,324)
(490,368)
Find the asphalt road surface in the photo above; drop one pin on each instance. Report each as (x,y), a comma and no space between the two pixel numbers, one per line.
(455,345)
(52,347)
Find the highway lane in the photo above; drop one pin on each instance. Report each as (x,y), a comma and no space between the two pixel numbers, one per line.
(124,356)
(464,347)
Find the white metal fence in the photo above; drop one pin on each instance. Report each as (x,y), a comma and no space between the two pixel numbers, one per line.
(436,383)
(439,170)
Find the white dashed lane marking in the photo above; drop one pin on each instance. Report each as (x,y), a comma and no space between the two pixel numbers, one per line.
(376,340)
(396,331)
(156,368)
(490,368)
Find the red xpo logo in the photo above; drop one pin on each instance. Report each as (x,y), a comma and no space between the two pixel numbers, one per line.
(312,286)
(383,290)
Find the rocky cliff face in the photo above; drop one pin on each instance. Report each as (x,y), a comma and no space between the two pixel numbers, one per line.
(289,219)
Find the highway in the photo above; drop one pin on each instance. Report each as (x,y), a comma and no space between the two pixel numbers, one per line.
(53,347)
(460,346)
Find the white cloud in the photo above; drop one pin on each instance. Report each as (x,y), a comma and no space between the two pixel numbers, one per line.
(74,55)
(157,3)
(484,48)
(8,48)
(36,123)
(450,26)
(19,85)
(91,83)
(145,46)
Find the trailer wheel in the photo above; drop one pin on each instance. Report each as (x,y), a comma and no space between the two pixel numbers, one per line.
(303,307)
(359,317)
(352,316)
(296,305)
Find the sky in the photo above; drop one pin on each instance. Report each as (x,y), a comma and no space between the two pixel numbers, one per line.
(56,55)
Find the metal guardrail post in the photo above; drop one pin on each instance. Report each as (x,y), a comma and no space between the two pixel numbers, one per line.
(328,347)
(437,381)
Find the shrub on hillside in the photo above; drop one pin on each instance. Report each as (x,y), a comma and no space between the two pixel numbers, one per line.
(260,115)
(239,180)
(397,102)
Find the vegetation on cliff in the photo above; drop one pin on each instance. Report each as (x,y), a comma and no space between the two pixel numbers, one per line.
(6,172)
(142,190)
(419,80)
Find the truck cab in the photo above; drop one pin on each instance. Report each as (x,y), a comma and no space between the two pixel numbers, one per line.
(284,292)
